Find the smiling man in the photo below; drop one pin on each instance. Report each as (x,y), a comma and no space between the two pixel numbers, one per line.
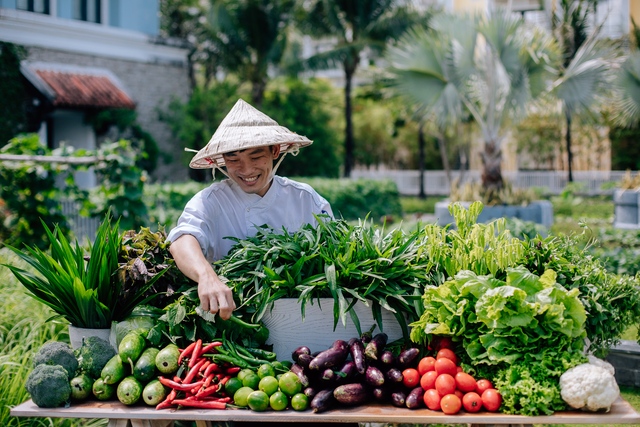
(244,148)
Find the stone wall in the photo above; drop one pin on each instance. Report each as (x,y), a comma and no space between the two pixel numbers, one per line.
(152,86)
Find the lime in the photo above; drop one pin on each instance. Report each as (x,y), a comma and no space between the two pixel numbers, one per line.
(266,370)
(278,401)
(300,402)
(241,395)
(269,385)
(290,383)
(258,401)
(232,386)
(251,380)
(243,373)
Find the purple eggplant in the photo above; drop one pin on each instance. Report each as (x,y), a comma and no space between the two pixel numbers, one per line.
(299,371)
(328,375)
(347,372)
(380,394)
(303,349)
(387,359)
(310,392)
(407,357)
(367,335)
(374,376)
(356,349)
(351,394)
(322,401)
(376,346)
(304,360)
(394,376)
(398,398)
(334,356)
(415,398)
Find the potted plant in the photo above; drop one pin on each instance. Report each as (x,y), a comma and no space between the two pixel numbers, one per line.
(626,199)
(81,286)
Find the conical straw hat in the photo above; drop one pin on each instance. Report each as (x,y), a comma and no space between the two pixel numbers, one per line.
(245,127)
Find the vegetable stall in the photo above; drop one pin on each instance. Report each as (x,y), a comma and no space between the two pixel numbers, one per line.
(462,324)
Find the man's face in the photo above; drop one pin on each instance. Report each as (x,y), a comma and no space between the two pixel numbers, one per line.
(251,168)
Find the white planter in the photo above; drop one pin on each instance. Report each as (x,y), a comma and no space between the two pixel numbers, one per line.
(76,335)
(627,212)
(288,330)
(540,212)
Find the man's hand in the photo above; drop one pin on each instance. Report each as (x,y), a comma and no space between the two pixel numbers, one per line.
(214,295)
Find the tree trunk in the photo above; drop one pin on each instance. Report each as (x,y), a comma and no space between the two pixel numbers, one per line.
(258,86)
(348,131)
(422,193)
(444,156)
(567,114)
(492,172)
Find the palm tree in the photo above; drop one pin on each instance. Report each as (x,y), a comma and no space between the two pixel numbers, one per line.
(357,26)
(488,66)
(586,63)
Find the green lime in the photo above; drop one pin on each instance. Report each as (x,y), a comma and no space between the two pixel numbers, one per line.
(232,386)
(240,396)
(266,370)
(251,380)
(243,373)
(269,385)
(300,402)
(258,401)
(278,401)
(290,384)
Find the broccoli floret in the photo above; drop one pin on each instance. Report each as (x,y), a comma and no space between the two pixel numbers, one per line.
(93,354)
(57,353)
(49,386)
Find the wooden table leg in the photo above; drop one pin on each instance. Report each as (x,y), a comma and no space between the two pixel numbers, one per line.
(151,423)
(203,423)
(118,423)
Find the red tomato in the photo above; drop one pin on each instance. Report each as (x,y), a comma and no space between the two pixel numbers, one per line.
(426,364)
(410,377)
(439,342)
(482,385)
(459,393)
(472,402)
(450,404)
(432,399)
(428,380)
(445,384)
(447,353)
(445,366)
(465,382)
(458,368)
(491,399)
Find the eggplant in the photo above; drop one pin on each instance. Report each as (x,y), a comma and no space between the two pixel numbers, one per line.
(376,346)
(310,392)
(356,349)
(380,394)
(387,358)
(374,376)
(398,398)
(351,394)
(328,375)
(407,357)
(415,398)
(394,376)
(347,372)
(334,356)
(299,371)
(303,349)
(367,335)
(322,401)
(304,360)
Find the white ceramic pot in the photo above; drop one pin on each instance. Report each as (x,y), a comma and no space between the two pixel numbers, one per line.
(288,330)
(76,335)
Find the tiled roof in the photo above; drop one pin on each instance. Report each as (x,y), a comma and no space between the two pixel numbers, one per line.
(77,87)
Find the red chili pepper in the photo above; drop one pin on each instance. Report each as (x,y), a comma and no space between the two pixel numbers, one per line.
(193,372)
(212,368)
(233,370)
(207,381)
(204,392)
(224,380)
(177,386)
(193,403)
(196,353)
(168,401)
(210,347)
(186,352)
(205,365)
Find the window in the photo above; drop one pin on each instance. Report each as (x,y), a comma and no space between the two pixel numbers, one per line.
(38,6)
(87,10)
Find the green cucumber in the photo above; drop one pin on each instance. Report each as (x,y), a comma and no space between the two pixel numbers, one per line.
(114,370)
(145,367)
(131,348)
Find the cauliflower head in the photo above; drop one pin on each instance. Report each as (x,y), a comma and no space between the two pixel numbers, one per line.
(589,387)
(49,386)
(93,354)
(57,353)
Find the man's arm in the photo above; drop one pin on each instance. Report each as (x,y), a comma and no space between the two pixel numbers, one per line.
(214,295)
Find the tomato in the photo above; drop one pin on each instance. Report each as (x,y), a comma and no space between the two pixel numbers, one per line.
(410,377)
(432,399)
(445,366)
(450,404)
(472,402)
(428,380)
(426,364)
(439,342)
(459,393)
(445,384)
(465,382)
(448,354)
(482,385)
(491,399)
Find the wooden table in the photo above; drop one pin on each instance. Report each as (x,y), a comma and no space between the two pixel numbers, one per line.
(143,416)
